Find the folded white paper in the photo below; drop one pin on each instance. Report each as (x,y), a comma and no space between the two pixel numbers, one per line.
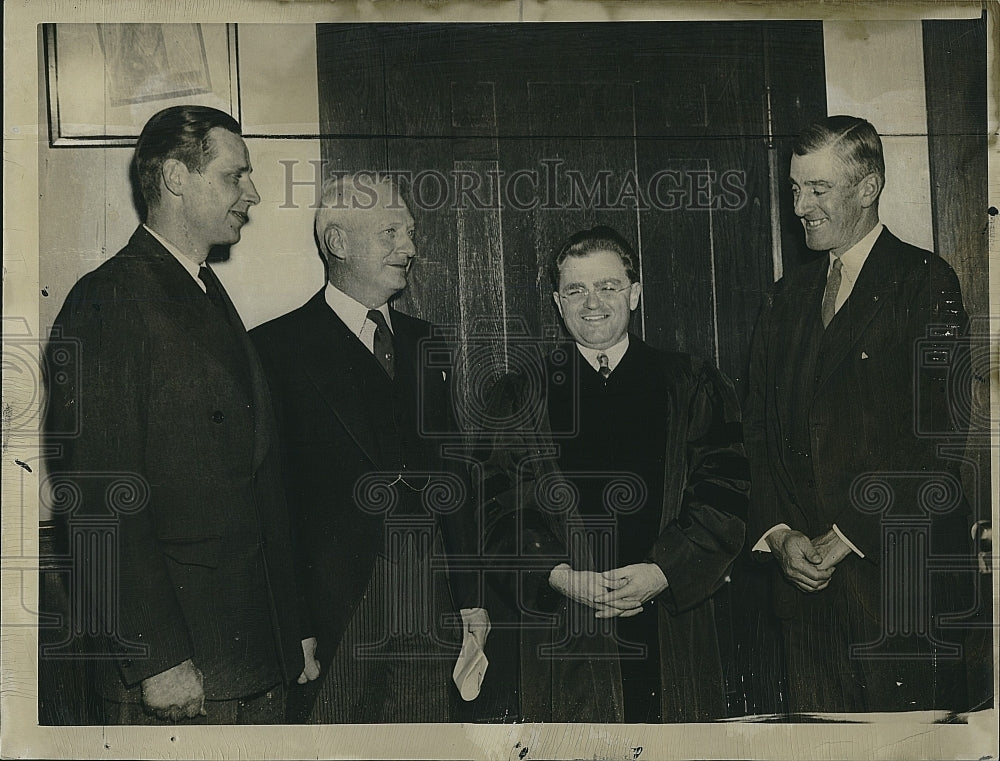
(470,668)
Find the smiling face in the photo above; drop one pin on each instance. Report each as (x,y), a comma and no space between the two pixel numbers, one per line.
(372,249)
(836,210)
(595,298)
(217,198)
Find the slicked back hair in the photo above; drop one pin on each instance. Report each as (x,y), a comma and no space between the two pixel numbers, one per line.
(178,132)
(854,140)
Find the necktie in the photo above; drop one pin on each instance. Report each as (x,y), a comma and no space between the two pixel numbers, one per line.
(383,343)
(830,294)
(212,285)
(213,288)
(605,370)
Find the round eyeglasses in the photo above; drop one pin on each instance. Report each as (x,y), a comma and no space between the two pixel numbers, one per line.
(577,293)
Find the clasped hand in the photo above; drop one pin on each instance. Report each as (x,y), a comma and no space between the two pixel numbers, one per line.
(808,563)
(619,592)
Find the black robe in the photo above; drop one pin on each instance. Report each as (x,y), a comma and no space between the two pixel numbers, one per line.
(693,515)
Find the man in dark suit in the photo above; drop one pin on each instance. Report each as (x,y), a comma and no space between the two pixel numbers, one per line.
(172,453)
(849,496)
(377,511)
(617,480)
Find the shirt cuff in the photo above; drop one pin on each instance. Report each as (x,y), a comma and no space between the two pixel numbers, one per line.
(762,545)
(977,529)
(847,541)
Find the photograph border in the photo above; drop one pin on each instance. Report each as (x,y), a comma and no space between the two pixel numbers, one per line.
(21,735)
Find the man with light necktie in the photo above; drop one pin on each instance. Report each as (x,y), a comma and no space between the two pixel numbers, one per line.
(843,483)
(616,472)
(377,510)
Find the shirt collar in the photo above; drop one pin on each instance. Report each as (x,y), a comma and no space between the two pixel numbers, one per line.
(352,313)
(189,265)
(615,354)
(854,258)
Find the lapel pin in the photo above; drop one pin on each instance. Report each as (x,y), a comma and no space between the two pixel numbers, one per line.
(864,355)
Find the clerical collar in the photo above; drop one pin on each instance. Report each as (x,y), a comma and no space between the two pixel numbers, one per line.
(352,312)
(189,265)
(615,354)
(854,258)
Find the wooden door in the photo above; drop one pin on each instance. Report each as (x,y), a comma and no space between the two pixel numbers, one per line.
(515,136)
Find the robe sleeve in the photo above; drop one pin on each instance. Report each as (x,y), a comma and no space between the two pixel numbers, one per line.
(706,499)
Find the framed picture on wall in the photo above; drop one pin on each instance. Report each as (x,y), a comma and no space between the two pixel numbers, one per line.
(104,81)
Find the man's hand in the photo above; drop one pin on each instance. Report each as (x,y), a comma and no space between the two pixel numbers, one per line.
(311,670)
(799,560)
(583,586)
(175,694)
(629,587)
(831,548)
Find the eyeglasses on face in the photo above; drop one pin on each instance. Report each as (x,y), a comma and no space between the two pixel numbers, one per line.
(579,294)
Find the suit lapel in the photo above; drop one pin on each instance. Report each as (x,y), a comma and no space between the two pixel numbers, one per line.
(406,343)
(866,299)
(225,342)
(799,322)
(336,363)
(263,411)
(187,306)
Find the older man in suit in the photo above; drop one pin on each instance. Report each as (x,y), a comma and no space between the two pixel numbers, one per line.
(617,489)
(849,497)
(377,510)
(173,451)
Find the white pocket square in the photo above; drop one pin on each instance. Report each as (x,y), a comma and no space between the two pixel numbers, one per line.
(864,355)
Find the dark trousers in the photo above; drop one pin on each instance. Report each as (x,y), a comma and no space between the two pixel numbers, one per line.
(266,707)
(911,674)
(394,662)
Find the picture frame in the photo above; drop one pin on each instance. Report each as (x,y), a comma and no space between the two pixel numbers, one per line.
(104,81)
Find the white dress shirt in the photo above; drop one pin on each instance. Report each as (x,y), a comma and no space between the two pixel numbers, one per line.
(354,315)
(853,259)
(189,265)
(614,354)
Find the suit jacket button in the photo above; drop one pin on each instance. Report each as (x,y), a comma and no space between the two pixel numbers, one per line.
(218,417)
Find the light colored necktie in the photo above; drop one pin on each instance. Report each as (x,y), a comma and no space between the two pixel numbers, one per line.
(605,370)
(382,344)
(832,289)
